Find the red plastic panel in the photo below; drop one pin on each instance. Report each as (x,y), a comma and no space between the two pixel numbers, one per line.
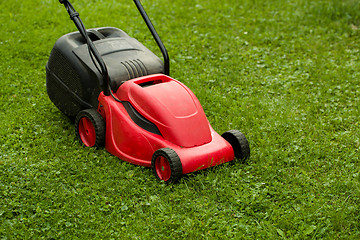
(131,143)
(216,152)
(124,138)
(171,106)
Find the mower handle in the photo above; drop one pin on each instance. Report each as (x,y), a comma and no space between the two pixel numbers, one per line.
(74,16)
(155,36)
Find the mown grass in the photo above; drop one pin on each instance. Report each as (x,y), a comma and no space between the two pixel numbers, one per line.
(286,73)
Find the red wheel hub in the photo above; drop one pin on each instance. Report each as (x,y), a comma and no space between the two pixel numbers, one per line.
(162,167)
(87,132)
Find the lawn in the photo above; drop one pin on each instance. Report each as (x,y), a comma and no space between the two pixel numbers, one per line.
(284,72)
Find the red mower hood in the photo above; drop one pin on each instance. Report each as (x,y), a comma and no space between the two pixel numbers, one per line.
(171,106)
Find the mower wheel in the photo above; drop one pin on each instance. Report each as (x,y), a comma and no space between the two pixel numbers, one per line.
(90,128)
(166,165)
(239,144)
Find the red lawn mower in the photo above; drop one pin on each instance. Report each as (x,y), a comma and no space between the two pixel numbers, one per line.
(121,96)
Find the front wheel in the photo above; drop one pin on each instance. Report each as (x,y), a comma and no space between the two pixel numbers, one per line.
(239,144)
(166,165)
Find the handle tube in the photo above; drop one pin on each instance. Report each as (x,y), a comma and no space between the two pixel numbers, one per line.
(155,36)
(80,26)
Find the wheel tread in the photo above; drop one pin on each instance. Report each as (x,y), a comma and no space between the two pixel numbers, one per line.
(239,143)
(174,162)
(98,123)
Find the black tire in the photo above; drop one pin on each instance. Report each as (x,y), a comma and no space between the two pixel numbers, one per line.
(239,144)
(90,128)
(166,165)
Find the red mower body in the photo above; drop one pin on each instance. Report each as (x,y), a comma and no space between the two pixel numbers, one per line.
(120,95)
(176,113)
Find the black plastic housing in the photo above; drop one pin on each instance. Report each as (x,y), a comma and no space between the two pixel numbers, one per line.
(74,83)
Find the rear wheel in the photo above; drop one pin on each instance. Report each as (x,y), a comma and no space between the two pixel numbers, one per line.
(239,144)
(90,128)
(166,165)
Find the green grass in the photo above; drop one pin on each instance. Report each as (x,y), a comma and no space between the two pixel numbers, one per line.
(286,73)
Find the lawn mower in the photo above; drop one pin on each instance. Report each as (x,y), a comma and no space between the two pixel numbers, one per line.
(121,96)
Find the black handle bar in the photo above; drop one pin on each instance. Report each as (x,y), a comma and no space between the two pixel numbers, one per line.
(104,72)
(80,26)
(155,36)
